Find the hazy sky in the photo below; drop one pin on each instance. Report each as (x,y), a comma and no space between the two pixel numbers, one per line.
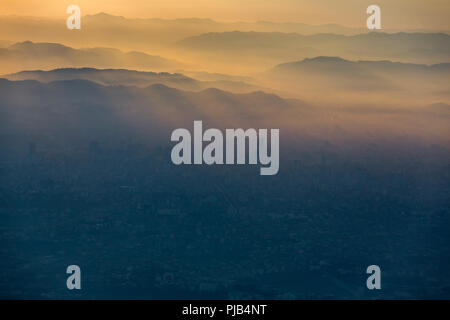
(409,14)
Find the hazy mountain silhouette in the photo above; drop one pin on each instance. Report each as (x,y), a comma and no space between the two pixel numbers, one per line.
(214,76)
(213,46)
(58,108)
(107,77)
(147,33)
(30,55)
(154,106)
(407,47)
(336,66)
(344,77)
(133,78)
(192,26)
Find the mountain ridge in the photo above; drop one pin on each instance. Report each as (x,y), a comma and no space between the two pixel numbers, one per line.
(32,55)
(113,76)
(423,48)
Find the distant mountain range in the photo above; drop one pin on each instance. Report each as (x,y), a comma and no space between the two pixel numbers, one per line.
(103,29)
(98,29)
(405,47)
(61,108)
(188,26)
(131,78)
(202,44)
(70,114)
(305,79)
(30,55)
(343,68)
(380,80)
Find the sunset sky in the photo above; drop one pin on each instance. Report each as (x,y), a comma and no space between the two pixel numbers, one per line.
(406,14)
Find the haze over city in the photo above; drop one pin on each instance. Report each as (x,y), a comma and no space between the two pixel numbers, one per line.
(86,117)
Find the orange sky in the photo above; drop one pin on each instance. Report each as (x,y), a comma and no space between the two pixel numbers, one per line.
(407,14)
